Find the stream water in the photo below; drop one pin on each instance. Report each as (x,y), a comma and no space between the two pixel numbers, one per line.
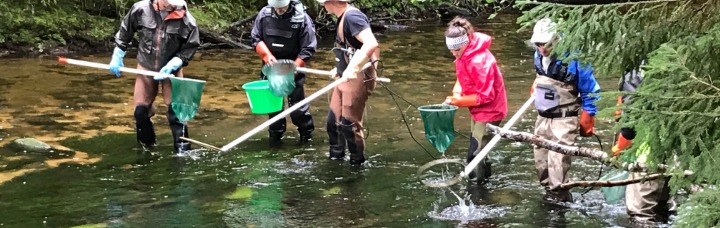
(107,181)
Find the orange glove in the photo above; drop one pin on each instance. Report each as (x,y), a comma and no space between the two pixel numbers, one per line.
(299,62)
(621,144)
(618,112)
(587,122)
(265,53)
(462,101)
(457,89)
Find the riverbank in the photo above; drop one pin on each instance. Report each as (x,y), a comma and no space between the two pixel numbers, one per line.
(81,27)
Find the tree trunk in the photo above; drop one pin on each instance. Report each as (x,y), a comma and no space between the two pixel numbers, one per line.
(591,153)
(240,23)
(219,39)
(617,183)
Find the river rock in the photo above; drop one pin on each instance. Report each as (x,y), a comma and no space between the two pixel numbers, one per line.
(31,145)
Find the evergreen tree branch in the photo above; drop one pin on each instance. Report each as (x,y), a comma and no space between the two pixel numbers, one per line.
(616,4)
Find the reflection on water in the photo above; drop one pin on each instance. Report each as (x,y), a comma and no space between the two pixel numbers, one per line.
(90,111)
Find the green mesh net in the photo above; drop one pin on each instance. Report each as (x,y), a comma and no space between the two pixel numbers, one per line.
(186,95)
(614,194)
(439,125)
(281,77)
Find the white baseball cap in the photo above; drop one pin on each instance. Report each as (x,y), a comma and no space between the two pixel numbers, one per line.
(323,1)
(278,3)
(544,31)
(177,2)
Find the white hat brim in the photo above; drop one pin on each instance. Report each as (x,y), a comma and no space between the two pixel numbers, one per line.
(541,37)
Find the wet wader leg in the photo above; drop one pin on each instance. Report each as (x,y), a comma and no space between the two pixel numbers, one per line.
(354,98)
(301,117)
(557,164)
(541,155)
(335,136)
(276,129)
(176,127)
(648,202)
(143,97)
(477,141)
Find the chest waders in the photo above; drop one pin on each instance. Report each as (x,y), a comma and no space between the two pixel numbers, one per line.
(146,89)
(283,39)
(347,104)
(558,104)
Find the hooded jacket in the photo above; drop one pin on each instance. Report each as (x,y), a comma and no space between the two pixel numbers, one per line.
(478,73)
(160,39)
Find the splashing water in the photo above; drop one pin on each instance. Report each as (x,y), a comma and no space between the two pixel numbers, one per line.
(192,154)
(463,211)
(466,211)
(195,154)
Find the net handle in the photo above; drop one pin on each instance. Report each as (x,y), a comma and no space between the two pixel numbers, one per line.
(331,74)
(123,69)
(481,155)
(286,112)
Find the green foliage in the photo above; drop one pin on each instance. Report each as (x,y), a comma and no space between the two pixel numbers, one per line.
(676,108)
(701,210)
(217,15)
(48,21)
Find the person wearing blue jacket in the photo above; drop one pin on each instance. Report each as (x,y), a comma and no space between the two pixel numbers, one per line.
(563,91)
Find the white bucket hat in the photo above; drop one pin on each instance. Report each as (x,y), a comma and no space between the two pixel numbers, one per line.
(323,1)
(544,31)
(278,3)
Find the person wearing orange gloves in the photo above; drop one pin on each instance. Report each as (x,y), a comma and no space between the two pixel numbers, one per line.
(647,202)
(562,93)
(283,30)
(479,86)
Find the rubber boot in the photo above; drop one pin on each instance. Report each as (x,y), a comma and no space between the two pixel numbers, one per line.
(144,127)
(482,170)
(335,138)
(301,117)
(354,139)
(178,130)
(276,130)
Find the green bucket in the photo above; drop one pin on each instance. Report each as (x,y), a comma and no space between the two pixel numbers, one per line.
(261,100)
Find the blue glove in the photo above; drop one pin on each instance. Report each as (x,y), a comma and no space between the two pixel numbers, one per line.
(117,61)
(174,64)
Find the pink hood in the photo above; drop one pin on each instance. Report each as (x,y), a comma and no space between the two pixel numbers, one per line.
(478,74)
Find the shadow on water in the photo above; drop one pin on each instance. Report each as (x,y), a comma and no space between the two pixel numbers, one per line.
(291,186)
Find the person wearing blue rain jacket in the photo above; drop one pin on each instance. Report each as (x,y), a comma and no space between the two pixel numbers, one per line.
(563,91)
(586,83)
(167,40)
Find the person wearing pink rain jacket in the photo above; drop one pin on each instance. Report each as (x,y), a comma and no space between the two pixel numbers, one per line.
(479,86)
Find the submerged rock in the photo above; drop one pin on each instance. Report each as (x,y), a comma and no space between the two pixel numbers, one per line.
(31,145)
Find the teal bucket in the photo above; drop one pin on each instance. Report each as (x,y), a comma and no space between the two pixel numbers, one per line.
(261,99)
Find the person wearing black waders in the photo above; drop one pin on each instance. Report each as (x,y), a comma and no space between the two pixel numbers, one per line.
(167,40)
(649,201)
(561,89)
(479,86)
(282,30)
(355,45)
